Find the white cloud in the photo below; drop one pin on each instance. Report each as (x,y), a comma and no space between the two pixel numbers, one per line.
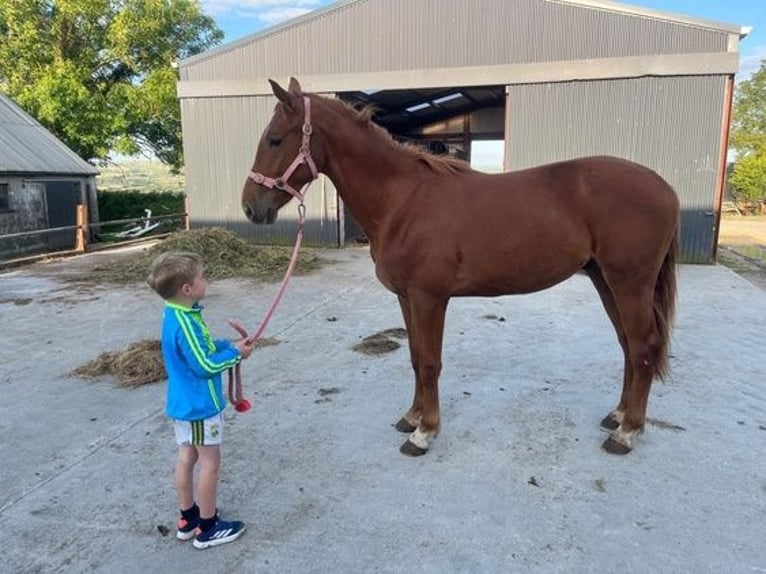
(268,11)
(277,15)
(750,61)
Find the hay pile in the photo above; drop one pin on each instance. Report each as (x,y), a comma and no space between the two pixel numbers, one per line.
(138,364)
(225,255)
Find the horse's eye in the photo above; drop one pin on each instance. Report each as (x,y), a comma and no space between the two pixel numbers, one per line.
(275,142)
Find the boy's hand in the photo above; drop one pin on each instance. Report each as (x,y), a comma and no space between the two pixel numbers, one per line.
(245,347)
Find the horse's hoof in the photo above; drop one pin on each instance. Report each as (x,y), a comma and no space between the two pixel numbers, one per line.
(404,426)
(609,422)
(613,447)
(411,449)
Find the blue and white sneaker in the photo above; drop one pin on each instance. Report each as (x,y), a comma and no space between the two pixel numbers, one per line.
(186,528)
(221,533)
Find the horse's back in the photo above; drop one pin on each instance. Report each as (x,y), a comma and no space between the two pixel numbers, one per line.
(630,212)
(594,178)
(600,191)
(549,221)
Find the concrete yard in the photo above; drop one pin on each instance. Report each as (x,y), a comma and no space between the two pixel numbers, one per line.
(516,481)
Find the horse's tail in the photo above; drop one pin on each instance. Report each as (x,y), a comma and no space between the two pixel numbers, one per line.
(665,305)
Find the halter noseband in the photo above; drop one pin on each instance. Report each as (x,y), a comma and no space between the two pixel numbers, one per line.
(304,156)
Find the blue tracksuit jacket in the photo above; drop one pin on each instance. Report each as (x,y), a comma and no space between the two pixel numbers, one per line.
(194,362)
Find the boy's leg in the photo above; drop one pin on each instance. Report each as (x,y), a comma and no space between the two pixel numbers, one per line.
(207,485)
(212,530)
(184,475)
(184,481)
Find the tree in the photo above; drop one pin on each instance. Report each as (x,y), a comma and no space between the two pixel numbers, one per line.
(748,178)
(748,134)
(99,73)
(748,138)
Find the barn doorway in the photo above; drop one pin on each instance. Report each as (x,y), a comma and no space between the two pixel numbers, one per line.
(446,121)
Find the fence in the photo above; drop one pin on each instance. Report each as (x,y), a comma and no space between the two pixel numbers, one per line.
(82,229)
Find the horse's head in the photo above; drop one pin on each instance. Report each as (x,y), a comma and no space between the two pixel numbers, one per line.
(283,161)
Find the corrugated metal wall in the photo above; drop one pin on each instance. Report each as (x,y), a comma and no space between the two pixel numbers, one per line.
(220,138)
(672,125)
(387,35)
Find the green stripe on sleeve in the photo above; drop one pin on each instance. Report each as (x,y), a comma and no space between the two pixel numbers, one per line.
(196,348)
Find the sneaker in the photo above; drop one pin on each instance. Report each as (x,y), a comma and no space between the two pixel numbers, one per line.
(221,533)
(187,528)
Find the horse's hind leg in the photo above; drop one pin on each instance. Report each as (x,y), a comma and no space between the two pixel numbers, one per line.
(426,329)
(635,302)
(614,418)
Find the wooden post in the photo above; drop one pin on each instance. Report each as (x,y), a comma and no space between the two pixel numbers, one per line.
(81,233)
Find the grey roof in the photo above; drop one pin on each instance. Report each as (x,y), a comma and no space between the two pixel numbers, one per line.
(26,147)
(606,5)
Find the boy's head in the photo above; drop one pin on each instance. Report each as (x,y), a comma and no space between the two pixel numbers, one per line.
(173,273)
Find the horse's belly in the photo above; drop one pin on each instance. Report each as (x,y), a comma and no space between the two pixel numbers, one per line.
(522,275)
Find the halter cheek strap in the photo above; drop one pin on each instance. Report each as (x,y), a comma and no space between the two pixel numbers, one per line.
(304,156)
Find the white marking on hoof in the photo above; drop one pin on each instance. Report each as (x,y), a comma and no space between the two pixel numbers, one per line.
(420,439)
(623,437)
(617,416)
(414,421)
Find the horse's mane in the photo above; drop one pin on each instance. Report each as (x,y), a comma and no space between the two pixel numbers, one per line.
(363,116)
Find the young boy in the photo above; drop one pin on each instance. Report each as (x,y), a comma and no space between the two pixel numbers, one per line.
(195,400)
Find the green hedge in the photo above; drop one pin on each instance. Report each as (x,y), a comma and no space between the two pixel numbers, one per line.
(130,204)
(114,205)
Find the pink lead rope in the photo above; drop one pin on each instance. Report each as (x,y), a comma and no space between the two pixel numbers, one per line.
(236,395)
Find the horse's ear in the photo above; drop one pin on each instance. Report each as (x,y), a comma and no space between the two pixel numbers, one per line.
(295,87)
(283,96)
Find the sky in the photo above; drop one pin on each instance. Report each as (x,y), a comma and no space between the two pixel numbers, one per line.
(238,18)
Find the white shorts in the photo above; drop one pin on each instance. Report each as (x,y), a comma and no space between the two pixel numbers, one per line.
(208,432)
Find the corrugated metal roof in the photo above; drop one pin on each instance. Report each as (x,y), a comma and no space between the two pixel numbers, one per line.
(598,5)
(27,147)
(374,36)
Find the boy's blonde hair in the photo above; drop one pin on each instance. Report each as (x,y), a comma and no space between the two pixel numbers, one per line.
(172,270)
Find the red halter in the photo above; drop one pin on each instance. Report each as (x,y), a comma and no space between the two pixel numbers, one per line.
(304,156)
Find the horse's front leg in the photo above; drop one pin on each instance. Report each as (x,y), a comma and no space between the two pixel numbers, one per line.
(424,318)
(411,419)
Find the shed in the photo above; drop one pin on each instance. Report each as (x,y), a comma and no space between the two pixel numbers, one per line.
(42,182)
(550,79)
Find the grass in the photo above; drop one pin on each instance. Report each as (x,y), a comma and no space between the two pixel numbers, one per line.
(140,175)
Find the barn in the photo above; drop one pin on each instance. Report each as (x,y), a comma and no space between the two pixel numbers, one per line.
(41,184)
(545,79)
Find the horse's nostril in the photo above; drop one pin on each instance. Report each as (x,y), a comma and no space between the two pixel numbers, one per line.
(248,212)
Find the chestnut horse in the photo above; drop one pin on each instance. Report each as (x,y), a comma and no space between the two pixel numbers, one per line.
(438,229)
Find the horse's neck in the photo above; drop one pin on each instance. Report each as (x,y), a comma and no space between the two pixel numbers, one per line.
(366,170)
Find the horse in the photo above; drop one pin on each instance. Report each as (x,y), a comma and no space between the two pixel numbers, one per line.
(439,229)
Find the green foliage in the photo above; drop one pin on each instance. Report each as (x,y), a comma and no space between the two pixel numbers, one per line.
(98,74)
(748,133)
(115,205)
(748,178)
